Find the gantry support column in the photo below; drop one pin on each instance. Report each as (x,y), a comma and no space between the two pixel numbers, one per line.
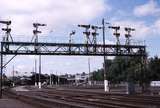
(1,84)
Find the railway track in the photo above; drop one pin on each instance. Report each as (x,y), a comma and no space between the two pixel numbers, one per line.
(86,99)
(138,99)
(149,100)
(52,98)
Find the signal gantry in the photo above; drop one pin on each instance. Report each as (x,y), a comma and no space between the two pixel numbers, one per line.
(90,48)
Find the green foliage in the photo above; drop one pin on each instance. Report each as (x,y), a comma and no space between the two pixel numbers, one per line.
(121,69)
(154,68)
(130,69)
(98,75)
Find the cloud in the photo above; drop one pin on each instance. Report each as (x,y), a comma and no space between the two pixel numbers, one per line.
(109,42)
(59,64)
(55,13)
(150,8)
(157,26)
(142,30)
(21,67)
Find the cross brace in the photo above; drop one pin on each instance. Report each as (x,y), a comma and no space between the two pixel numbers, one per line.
(31,48)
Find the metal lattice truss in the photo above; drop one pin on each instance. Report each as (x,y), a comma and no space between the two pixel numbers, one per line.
(30,48)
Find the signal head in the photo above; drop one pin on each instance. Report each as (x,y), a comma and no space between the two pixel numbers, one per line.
(6,22)
(7,30)
(38,24)
(85,26)
(73,32)
(36,31)
(114,27)
(129,29)
(95,27)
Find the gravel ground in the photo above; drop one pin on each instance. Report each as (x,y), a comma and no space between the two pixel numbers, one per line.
(12,103)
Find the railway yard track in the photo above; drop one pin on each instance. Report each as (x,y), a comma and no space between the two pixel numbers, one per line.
(73,98)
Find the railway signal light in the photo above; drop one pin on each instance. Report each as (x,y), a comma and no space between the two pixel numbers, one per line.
(36,31)
(116,29)
(87,32)
(6,22)
(94,34)
(84,26)
(70,36)
(38,24)
(7,31)
(72,33)
(128,34)
(96,27)
(87,27)
(128,30)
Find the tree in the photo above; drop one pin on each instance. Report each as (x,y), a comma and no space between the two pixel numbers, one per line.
(98,75)
(154,69)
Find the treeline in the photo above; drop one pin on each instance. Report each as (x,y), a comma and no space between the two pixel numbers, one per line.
(46,78)
(125,69)
(30,80)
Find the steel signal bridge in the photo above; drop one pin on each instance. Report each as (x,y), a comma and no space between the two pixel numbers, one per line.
(10,47)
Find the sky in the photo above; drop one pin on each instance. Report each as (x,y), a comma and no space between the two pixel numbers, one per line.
(63,16)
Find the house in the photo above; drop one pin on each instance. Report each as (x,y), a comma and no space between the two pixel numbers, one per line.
(77,78)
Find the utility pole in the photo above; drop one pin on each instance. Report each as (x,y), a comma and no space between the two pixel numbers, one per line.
(106,85)
(57,79)
(1,71)
(13,77)
(35,73)
(39,83)
(50,79)
(89,69)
